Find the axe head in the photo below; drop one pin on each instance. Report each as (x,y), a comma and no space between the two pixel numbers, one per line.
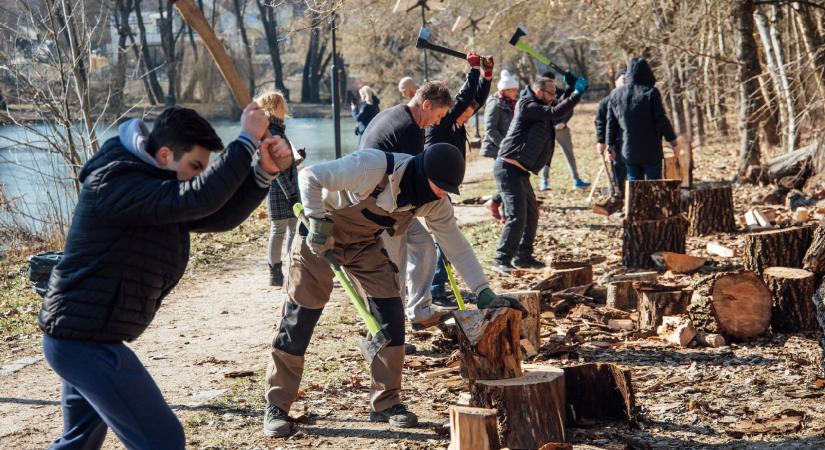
(370,347)
(520,31)
(423,37)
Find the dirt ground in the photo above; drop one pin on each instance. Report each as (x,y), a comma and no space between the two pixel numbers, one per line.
(218,323)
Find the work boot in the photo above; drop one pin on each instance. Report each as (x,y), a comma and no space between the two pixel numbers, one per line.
(502,268)
(444,302)
(527,262)
(397,416)
(276,276)
(277,422)
(435,319)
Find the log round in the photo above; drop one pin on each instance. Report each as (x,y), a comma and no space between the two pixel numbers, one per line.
(621,295)
(783,248)
(710,210)
(473,428)
(490,343)
(530,408)
(655,304)
(734,304)
(792,290)
(530,324)
(641,239)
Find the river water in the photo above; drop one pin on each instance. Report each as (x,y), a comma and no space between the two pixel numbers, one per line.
(39,186)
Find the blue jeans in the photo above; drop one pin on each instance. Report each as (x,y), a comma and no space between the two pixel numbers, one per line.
(644,171)
(104,385)
(440,279)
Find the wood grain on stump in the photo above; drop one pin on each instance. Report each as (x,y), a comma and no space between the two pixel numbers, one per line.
(792,291)
(652,199)
(531,323)
(622,295)
(489,342)
(473,428)
(641,239)
(782,248)
(655,302)
(734,304)
(710,210)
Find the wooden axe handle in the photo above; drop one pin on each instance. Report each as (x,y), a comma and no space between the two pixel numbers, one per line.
(194,17)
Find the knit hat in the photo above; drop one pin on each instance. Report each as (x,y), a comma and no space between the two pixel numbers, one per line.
(507,81)
(444,166)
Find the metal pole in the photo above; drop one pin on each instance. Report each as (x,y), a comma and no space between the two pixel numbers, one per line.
(336,98)
(424,24)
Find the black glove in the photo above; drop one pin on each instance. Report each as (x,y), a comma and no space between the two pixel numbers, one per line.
(488,299)
(569,78)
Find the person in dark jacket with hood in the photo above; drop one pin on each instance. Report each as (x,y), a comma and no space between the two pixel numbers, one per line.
(527,148)
(127,248)
(364,112)
(636,112)
(619,169)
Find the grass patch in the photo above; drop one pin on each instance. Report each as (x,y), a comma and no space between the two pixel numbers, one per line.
(19,307)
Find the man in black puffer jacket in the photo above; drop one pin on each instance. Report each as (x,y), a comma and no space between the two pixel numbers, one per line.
(127,247)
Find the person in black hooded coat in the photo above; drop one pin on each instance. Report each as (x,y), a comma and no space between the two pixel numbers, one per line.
(637,112)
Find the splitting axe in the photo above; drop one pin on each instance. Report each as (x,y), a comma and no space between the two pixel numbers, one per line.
(423,42)
(369,347)
(517,42)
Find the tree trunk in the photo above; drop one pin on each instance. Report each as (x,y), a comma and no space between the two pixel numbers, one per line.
(710,210)
(747,71)
(473,428)
(530,409)
(772,63)
(657,301)
(313,62)
(813,45)
(270,25)
(238,8)
(819,307)
(652,199)
(149,62)
(641,239)
(122,10)
(792,290)
(786,93)
(735,304)
(490,343)
(785,248)
(168,41)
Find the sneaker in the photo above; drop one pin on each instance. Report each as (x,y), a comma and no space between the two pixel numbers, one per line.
(579,184)
(409,349)
(397,416)
(544,185)
(528,263)
(444,302)
(502,268)
(277,422)
(276,276)
(437,318)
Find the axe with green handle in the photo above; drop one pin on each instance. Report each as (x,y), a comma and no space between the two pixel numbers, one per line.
(453,283)
(517,42)
(369,347)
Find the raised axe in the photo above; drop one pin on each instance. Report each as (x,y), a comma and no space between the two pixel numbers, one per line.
(369,347)
(519,43)
(194,17)
(423,42)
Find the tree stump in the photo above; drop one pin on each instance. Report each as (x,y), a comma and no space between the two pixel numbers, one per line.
(530,409)
(814,259)
(575,276)
(530,324)
(710,210)
(657,301)
(473,428)
(641,239)
(735,304)
(489,342)
(622,295)
(652,200)
(599,391)
(792,290)
(782,248)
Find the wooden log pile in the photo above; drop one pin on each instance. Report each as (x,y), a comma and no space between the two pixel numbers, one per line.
(653,221)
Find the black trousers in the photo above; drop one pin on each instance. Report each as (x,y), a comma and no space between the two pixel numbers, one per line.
(520,209)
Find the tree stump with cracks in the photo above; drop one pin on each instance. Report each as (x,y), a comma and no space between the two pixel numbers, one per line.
(490,343)
(734,304)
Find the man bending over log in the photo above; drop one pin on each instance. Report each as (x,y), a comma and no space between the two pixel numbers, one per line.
(127,247)
(349,203)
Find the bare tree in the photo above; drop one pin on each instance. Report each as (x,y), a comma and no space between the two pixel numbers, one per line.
(270,24)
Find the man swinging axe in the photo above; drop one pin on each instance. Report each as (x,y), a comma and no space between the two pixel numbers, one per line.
(349,203)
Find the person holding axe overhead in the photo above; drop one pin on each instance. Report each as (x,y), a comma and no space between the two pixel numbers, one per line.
(348,203)
(527,148)
(451,131)
(127,248)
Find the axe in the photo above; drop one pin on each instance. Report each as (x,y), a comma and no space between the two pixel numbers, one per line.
(423,42)
(193,17)
(517,42)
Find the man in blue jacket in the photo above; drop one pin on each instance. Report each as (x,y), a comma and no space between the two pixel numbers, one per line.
(127,248)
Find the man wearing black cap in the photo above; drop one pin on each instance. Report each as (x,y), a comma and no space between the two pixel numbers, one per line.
(349,203)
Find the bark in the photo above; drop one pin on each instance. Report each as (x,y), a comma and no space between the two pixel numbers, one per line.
(315,61)
(652,199)
(792,290)
(168,39)
(473,428)
(148,61)
(622,295)
(786,93)
(814,45)
(657,301)
(819,307)
(490,343)
(785,248)
(747,71)
(710,210)
(122,10)
(641,239)
(599,391)
(238,8)
(814,259)
(735,304)
(769,51)
(270,25)
(531,323)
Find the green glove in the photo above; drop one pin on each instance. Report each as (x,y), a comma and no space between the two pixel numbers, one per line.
(320,238)
(488,299)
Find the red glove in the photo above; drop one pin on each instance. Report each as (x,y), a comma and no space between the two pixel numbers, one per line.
(474,60)
(487,64)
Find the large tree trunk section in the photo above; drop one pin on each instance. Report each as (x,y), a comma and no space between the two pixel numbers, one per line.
(747,76)
(622,295)
(657,301)
(783,248)
(651,199)
(473,429)
(792,290)
(814,259)
(530,324)
(710,210)
(530,409)
(643,238)
(489,341)
(599,391)
(735,304)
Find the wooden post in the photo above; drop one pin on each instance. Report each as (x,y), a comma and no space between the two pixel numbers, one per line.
(489,342)
(530,409)
(599,391)
(640,239)
(735,304)
(782,248)
(657,301)
(652,200)
(792,291)
(531,324)
(710,210)
(473,428)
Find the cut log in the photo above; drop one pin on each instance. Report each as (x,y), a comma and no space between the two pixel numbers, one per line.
(714,248)
(569,261)
(606,206)
(530,324)
(599,391)
(801,215)
(710,339)
(791,163)
(575,276)
(677,330)
(473,428)
(641,239)
(489,342)
(652,200)
(671,167)
(686,161)
(792,290)
(678,262)
(648,276)
(710,210)
(814,259)
(621,295)
(530,408)
(657,301)
(735,304)
(781,248)
(621,324)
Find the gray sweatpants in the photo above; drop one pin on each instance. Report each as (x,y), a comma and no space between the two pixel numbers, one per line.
(414,254)
(279,229)
(565,140)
